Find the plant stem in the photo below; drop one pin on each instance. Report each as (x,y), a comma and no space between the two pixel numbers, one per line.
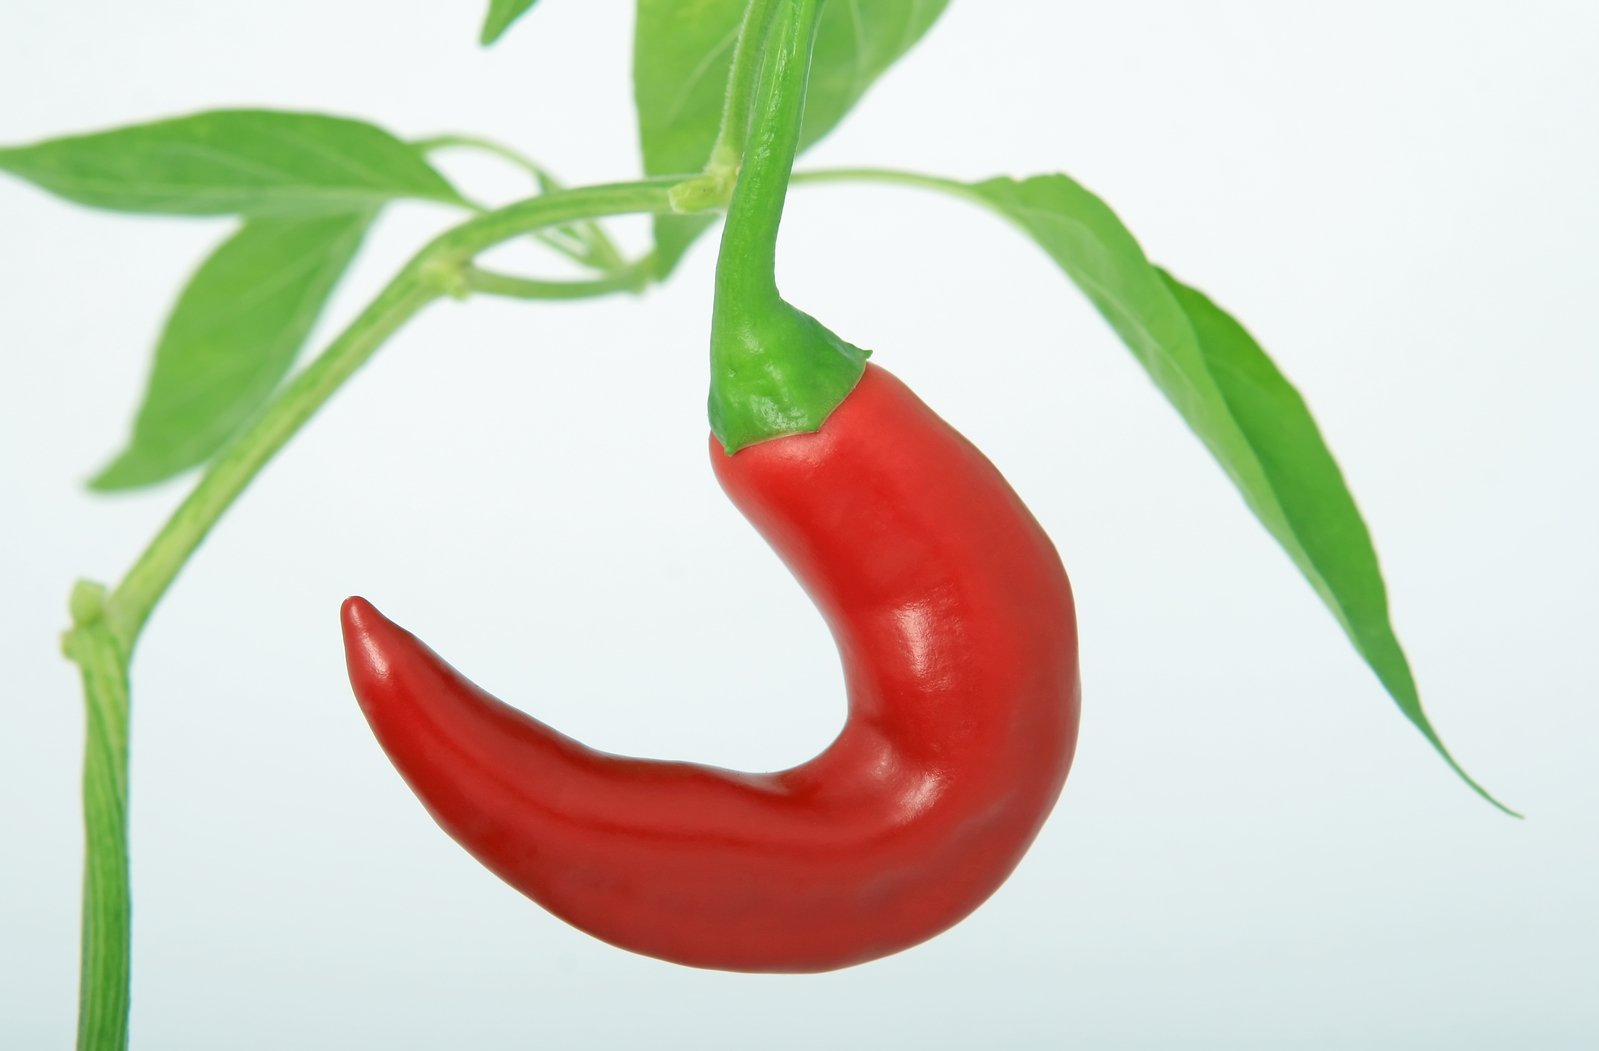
(106,627)
(103,990)
(540,174)
(646,196)
(892,176)
(589,244)
(747,264)
(631,278)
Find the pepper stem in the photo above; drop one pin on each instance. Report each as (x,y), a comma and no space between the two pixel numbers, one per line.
(774,369)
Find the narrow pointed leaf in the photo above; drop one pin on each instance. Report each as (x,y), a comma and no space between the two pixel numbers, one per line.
(1234,398)
(501,14)
(230,339)
(250,162)
(683,50)
(1306,504)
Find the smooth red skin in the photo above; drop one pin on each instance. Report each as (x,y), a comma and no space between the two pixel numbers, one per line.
(955,623)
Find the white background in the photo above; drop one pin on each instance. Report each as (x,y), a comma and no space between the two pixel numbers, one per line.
(1254,850)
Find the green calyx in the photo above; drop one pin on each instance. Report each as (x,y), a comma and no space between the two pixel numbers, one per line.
(777,372)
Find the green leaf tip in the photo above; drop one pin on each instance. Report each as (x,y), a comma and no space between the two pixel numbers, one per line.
(230,339)
(500,16)
(1300,495)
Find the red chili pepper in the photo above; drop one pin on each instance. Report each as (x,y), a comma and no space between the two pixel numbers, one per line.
(954,620)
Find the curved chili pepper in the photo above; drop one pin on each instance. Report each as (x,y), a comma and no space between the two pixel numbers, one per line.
(954,620)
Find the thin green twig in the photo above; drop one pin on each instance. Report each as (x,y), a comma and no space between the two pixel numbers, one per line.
(584,242)
(631,278)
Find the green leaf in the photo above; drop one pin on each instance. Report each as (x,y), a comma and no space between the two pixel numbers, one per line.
(501,14)
(1307,507)
(230,339)
(682,53)
(251,162)
(1228,391)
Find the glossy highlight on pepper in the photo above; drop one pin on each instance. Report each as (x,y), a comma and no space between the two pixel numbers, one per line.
(954,621)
